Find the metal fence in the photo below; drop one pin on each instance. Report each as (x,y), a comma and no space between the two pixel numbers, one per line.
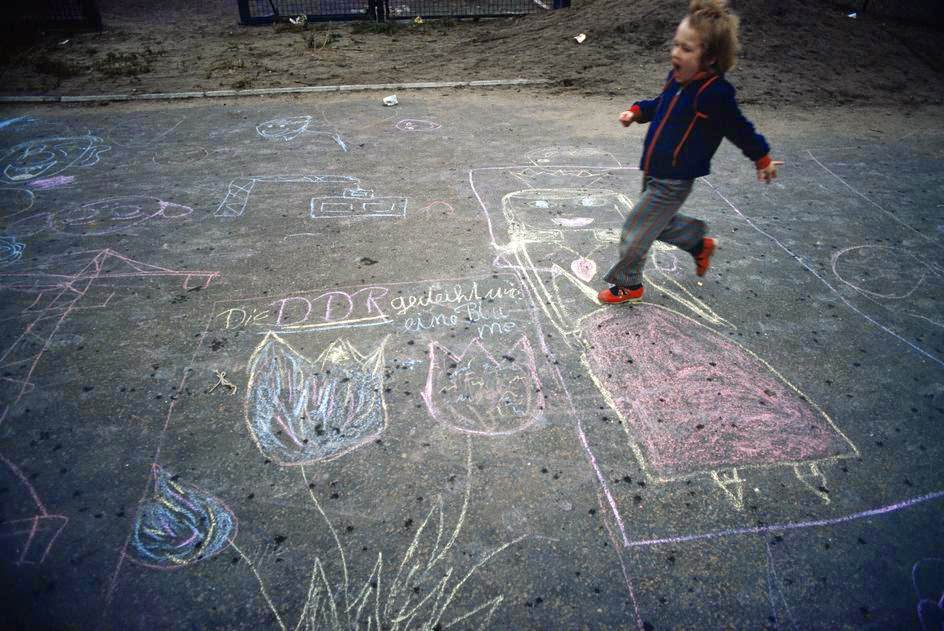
(267,11)
(51,14)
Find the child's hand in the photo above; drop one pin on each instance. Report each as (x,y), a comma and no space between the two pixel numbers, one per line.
(626,118)
(769,173)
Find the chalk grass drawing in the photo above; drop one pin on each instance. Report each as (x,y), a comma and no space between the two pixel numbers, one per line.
(11,250)
(33,535)
(350,200)
(413,124)
(724,410)
(57,296)
(425,592)
(178,525)
(286,129)
(46,157)
(107,216)
(927,577)
(478,393)
(300,411)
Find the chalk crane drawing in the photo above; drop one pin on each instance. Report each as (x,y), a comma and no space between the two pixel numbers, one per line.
(178,524)
(26,521)
(57,296)
(286,129)
(478,393)
(425,592)
(46,157)
(348,201)
(300,411)
(559,236)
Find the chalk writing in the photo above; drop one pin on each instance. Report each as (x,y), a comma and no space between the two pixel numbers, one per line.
(179,524)
(49,156)
(476,392)
(300,411)
(330,309)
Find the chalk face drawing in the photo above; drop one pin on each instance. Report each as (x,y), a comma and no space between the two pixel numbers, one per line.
(590,157)
(300,411)
(178,525)
(112,215)
(692,401)
(410,124)
(479,393)
(284,128)
(11,250)
(27,529)
(46,157)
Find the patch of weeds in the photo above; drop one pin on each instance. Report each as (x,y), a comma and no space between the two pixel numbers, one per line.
(241,84)
(320,42)
(228,66)
(55,67)
(383,28)
(124,65)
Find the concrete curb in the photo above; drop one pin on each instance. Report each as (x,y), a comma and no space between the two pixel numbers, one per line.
(166,96)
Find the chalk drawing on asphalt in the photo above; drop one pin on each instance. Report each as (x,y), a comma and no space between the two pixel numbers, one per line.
(46,157)
(345,197)
(301,411)
(178,524)
(107,216)
(286,129)
(179,154)
(779,605)
(14,201)
(140,132)
(11,250)
(425,589)
(412,124)
(57,297)
(49,183)
(27,525)
(927,578)
(480,393)
(749,415)
(589,157)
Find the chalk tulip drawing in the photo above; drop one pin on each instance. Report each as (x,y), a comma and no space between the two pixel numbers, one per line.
(481,393)
(301,411)
(178,524)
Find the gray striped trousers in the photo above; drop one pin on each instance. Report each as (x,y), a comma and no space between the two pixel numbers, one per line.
(655,216)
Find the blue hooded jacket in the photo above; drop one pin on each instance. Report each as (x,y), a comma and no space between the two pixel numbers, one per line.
(687,125)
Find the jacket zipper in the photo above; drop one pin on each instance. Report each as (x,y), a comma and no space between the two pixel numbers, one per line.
(688,131)
(655,138)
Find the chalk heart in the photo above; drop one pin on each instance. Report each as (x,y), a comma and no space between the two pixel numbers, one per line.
(478,393)
(301,411)
(584,269)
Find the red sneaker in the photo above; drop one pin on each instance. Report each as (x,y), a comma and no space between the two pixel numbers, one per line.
(615,295)
(703,258)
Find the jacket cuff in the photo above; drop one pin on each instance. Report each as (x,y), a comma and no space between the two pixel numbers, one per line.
(635,109)
(763,163)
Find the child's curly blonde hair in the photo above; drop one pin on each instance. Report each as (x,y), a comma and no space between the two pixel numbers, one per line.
(718,29)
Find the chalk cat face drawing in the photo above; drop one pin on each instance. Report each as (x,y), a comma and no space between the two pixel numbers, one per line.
(565,209)
(49,156)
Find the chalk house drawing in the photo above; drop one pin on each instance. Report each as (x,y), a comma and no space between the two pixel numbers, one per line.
(57,296)
(427,590)
(178,524)
(26,522)
(478,393)
(46,157)
(300,411)
(345,198)
(559,236)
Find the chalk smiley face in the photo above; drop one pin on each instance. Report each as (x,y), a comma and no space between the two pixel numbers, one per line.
(565,209)
(49,156)
(284,128)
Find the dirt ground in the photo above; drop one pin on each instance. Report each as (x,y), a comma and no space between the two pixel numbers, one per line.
(799,52)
